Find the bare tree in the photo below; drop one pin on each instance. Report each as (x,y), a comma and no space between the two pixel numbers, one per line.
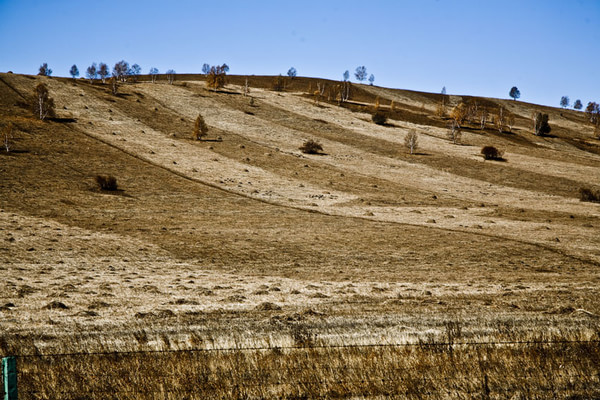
(44,70)
(114,84)
(74,71)
(43,103)
(171,76)
(246,88)
(459,113)
(454,131)
(121,70)
(510,121)
(200,128)
(135,72)
(361,73)
(7,136)
(205,69)
(345,87)
(500,119)
(92,72)
(103,71)
(482,116)
(153,74)
(371,79)
(411,140)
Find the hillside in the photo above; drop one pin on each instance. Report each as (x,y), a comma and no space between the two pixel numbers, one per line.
(376,243)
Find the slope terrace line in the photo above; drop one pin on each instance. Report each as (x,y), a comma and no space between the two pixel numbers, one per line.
(273,203)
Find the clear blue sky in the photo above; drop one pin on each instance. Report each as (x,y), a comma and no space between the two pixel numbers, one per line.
(547,48)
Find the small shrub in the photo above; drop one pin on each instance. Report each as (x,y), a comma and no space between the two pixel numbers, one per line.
(491,153)
(379,118)
(106,182)
(311,147)
(587,194)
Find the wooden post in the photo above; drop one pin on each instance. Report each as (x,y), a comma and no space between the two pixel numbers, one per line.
(9,374)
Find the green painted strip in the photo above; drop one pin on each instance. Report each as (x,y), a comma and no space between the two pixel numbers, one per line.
(9,373)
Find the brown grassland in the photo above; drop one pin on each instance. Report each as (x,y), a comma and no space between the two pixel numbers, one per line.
(239,267)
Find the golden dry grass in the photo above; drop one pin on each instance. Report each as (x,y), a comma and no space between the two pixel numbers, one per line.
(242,240)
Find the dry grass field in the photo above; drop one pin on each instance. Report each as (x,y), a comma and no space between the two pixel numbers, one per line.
(360,272)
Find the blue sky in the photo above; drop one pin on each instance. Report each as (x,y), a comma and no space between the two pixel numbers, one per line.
(546,48)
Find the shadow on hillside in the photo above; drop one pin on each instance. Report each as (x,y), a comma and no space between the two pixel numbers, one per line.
(62,119)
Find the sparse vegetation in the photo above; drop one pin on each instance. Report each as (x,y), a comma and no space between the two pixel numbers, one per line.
(200,128)
(311,147)
(589,195)
(492,153)
(106,182)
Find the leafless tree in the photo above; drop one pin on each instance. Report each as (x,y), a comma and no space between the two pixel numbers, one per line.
(135,72)
(103,71)
(121,70)
(153,74)
(200,128)
(459,113)
(7,136)
(205,69)
(411,140)
(500,119)
(43,103)
(246,88)
(454,131)
(92,72)
(114,85)
(171,76)
(482,116)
